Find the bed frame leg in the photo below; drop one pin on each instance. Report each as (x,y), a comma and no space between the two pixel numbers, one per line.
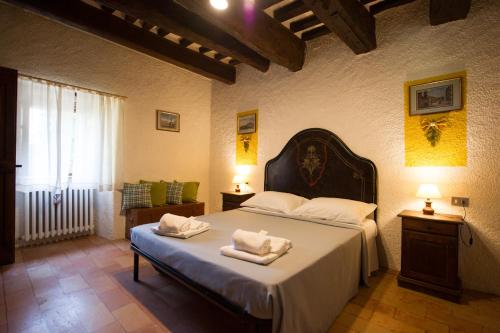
(136,267)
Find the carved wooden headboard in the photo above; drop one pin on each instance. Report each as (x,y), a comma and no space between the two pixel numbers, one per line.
(317,163)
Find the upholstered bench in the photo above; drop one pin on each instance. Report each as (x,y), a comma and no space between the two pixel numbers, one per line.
(138,216)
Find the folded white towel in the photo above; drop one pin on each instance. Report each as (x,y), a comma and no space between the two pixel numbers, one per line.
(252,242)
(230,251)
(174,223)
(200,227)
(279,244)
(196,224)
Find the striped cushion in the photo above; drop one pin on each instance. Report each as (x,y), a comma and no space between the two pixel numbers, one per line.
(136,196)
(174,193)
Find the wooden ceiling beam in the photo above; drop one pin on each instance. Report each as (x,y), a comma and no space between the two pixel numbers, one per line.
(185,42)
(264,4)
(291,10)
(304,23)
(146,25)
(315,33)
(130,19)
(80,15)
(443,11)
(387,4)
(107,9)
(172,17)
(255,29)
(219,56)
(203,50)
(349,19)
(162,32)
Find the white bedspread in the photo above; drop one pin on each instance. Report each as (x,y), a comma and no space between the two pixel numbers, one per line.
(369,231)
(303,291)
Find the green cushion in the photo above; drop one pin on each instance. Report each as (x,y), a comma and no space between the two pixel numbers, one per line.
(136,196)
(190,191)
(174,192)
(158,192)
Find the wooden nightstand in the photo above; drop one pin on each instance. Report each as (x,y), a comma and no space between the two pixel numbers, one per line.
(232,200)
(429,253)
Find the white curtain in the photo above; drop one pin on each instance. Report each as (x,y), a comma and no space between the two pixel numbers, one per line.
(66,138)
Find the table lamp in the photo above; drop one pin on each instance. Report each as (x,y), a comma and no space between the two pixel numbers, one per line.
(428,192)
(237,180)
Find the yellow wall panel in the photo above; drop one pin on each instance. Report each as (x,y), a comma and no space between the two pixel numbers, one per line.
(451,149)
(248,157)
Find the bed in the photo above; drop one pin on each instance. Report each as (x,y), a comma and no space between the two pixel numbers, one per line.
(304,290)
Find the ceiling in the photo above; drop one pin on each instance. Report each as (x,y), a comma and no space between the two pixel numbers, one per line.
(193,35)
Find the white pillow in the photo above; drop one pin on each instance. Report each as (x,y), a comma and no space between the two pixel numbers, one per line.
(275,201)
(339,210)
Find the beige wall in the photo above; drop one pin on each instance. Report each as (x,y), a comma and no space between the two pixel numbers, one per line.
(360,98)
(39,47)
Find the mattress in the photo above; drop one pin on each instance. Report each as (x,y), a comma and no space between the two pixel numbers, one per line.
(302,291)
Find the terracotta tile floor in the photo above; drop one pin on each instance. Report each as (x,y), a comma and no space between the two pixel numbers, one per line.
(85,285)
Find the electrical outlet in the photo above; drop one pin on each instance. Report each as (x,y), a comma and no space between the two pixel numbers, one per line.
(460,201)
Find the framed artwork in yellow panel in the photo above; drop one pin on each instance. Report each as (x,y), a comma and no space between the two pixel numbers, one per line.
(247,137)
(440,138)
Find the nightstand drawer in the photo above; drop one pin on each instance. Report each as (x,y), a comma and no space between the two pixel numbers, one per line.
(230,205)
(433,227)
(231,198)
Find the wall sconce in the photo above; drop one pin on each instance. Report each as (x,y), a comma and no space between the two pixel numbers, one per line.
(432,128)
(245,139)
(428,192)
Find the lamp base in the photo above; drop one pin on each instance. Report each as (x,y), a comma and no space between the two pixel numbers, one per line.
(428,210)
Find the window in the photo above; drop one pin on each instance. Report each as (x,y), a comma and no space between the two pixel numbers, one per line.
(66,138)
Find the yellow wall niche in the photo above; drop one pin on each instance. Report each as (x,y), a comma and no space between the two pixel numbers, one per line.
(249,156)
(451,150)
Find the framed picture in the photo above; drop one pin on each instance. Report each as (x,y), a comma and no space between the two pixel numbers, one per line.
(168,121)
(247,123)
(434,97)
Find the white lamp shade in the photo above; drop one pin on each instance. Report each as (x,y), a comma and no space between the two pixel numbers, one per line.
(428,191)
(239,179)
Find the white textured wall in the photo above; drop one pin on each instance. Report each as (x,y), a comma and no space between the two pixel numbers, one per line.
(360,98)
(39,47)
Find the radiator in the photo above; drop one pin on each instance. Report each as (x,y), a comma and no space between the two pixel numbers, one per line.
(46,217)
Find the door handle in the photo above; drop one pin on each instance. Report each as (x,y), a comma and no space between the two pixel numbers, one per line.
(19,165)
(8,167)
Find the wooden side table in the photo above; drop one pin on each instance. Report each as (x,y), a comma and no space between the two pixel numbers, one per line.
(429,253)
(232,200)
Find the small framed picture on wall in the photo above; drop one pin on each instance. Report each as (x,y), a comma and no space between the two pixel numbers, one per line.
(437,96)
(168,121)
(247,123)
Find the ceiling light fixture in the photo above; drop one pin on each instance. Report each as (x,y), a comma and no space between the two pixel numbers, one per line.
(219,4)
